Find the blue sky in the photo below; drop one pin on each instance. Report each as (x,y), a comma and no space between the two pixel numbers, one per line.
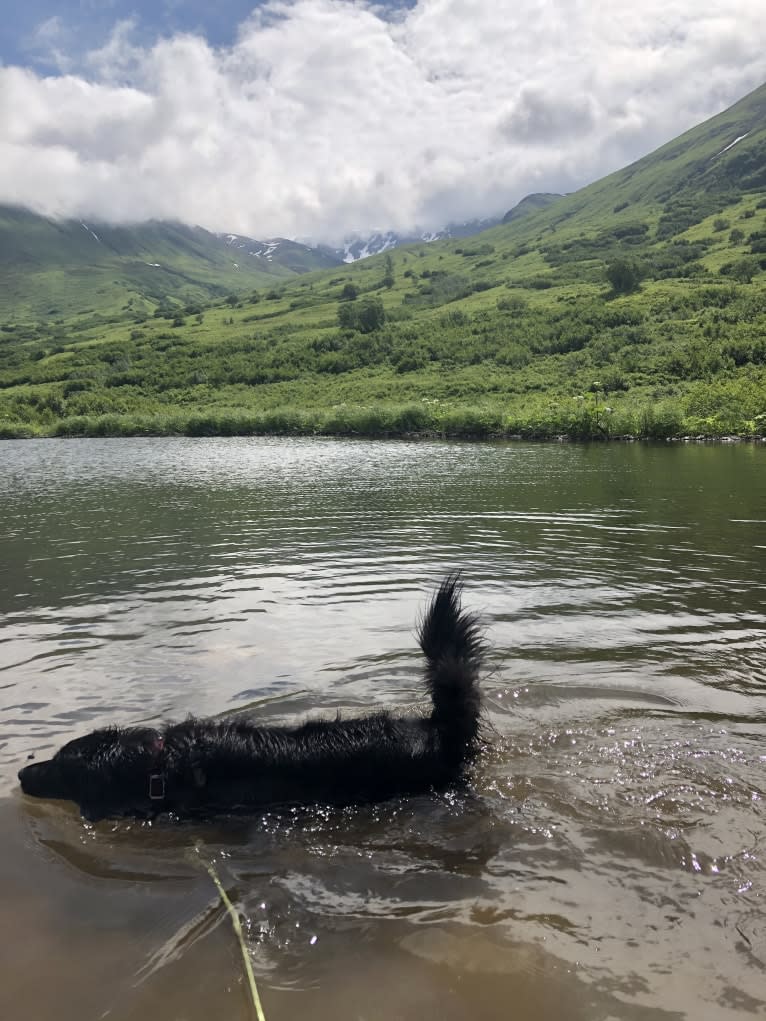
(322,118)
(85,24)
(29,30)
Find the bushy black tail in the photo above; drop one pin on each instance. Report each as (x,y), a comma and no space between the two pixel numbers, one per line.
(452,643)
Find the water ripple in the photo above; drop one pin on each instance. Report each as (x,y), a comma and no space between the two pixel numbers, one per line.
(607,852)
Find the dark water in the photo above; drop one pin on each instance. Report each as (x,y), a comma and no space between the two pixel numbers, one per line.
(608,859)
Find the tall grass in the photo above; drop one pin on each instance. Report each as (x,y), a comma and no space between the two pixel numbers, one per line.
(650,421)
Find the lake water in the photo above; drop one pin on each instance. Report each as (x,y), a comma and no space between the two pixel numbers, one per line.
(608,859)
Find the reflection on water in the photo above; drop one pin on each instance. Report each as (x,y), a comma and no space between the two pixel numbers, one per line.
(606,860)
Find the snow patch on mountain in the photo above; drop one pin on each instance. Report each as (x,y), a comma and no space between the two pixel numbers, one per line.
(257,249)
(91,232)
(730,145)
(357,247)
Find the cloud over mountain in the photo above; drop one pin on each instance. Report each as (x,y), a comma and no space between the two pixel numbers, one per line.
(327,116)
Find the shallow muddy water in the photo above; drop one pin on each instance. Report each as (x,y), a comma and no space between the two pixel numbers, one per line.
(607,859)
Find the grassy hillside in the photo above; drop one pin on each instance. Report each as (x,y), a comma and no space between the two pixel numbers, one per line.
(60,267)
(634,306)
(530,204)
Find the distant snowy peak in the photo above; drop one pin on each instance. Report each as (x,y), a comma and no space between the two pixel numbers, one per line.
(356,246)
(282,253)
(362,246)
(258,249)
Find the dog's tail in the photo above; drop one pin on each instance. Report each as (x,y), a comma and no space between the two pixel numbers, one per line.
(452,642)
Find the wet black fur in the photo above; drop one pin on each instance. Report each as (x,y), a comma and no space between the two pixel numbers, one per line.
(203,766)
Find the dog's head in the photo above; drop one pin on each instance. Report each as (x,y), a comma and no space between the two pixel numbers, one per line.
(106,772)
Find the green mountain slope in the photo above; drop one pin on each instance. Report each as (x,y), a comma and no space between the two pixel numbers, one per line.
(58,267)
(530,204)
(636,305)
(704,170)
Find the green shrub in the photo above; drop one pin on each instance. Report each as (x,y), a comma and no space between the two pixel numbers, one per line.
(624,275)
(660,421)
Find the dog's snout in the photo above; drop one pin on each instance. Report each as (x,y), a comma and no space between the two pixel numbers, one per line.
(40,780)
(26,777)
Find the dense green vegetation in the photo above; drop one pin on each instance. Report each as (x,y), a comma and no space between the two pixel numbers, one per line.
(636,306)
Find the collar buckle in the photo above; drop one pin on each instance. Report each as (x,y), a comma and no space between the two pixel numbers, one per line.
(156,786)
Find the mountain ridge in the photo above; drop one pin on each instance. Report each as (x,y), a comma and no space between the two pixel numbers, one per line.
(66,265)
(50,255)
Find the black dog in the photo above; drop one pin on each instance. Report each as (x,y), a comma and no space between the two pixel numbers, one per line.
(202,766)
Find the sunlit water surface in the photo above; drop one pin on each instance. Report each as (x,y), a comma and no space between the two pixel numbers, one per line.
(607,858)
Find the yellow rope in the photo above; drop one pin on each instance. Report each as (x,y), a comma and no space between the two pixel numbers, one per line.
(234,916)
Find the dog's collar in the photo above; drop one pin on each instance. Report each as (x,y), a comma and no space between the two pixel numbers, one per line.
(157,775)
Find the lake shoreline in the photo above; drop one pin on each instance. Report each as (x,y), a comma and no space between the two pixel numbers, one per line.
(96,429)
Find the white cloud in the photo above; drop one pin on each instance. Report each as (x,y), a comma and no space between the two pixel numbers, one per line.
(328,116)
